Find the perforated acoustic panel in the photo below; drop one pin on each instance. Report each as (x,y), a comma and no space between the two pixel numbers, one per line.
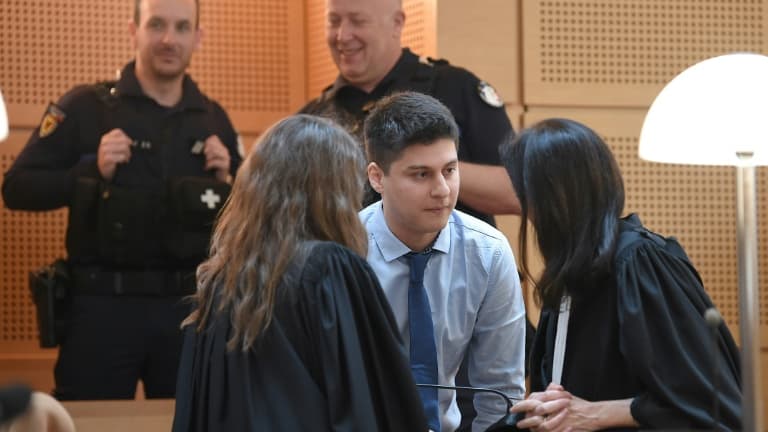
(693,203)
(418,35)
(47,46)
(251,58)
(246,57)
(29,240)
(620,53)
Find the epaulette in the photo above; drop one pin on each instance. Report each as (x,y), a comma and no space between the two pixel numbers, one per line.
(327,93)
(433,61)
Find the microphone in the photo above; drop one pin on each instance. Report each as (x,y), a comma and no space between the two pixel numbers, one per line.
(508,423)
(714,319)
(14,400)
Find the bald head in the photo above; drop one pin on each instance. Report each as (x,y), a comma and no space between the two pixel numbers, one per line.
(364,38)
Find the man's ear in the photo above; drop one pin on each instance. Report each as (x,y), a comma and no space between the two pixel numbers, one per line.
(199,34)
(132,33)
(375,177)
(399,23)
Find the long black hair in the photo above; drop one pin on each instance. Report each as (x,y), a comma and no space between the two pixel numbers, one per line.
(571,191)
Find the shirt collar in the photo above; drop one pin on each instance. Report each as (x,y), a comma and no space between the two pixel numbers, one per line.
(404,66)
(391,247)
(128,85)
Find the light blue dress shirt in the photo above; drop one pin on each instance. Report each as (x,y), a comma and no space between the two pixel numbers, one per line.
(477,307)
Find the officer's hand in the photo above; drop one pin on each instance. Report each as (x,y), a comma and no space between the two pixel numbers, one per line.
(217,157)
(114,148)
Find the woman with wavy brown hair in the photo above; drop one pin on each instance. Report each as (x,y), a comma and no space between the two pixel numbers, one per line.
(290,329)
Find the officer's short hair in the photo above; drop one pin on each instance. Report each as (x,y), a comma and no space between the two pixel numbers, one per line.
(137,13)
(404,119)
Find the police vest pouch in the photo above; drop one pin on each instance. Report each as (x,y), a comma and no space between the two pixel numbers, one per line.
(128,225)
(51,292)
(194,203)
(82,234)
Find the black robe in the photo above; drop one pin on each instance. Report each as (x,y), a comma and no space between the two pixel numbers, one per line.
(640,333)
(332,360)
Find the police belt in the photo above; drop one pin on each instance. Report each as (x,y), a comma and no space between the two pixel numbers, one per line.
(158,283)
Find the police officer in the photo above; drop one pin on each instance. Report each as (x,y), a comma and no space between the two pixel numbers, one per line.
(364,41)
(143,165)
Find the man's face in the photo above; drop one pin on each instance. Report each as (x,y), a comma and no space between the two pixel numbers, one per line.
(364,38)
(165,38)
(420,190)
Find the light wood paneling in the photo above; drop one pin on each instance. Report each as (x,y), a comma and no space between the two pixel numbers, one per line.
(621,53)
(122,416)
(251,60)
(484,38)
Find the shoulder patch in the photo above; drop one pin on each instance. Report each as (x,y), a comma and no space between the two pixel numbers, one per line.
(429,61)
(51,120)
(489,95)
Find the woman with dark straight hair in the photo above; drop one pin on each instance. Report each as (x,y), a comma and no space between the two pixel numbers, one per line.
(290,329)
(622,341)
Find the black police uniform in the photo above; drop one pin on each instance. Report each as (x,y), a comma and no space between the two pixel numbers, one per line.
(133,243)
(483,125)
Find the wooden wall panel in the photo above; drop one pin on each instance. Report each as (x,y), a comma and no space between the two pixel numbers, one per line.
(47,46)
(621,53)
(486,39)
(251,59)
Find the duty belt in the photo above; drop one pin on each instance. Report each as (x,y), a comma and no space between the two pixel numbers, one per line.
(132,283)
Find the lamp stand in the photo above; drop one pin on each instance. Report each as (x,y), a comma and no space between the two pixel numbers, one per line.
(749,300)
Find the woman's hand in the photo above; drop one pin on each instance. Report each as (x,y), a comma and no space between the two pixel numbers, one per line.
(544,411)
(558,410)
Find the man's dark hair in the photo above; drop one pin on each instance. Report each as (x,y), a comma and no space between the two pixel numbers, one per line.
(137,13)
(404,119)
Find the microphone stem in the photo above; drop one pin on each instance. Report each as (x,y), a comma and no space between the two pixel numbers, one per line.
(472,389)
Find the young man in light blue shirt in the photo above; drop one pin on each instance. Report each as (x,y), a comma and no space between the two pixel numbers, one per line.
(470,280)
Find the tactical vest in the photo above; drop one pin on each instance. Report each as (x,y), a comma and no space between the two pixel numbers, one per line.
(154,226)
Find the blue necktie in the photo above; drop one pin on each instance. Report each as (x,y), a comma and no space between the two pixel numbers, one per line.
(423,351)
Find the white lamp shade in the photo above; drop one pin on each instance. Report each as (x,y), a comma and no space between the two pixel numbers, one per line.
(3,119)
(710,113)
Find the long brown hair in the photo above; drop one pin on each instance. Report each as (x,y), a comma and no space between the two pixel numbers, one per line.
(302,181)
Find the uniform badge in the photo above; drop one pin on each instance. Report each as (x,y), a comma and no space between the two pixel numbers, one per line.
(51,120)
(489,95)
(197,147)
